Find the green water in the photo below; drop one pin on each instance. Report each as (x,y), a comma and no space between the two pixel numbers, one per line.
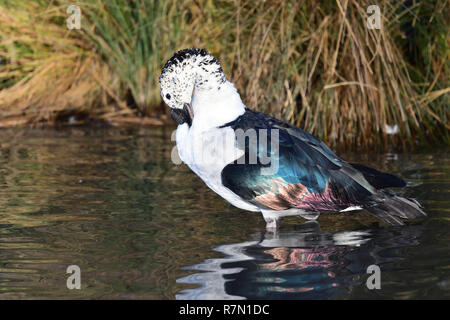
(140,227)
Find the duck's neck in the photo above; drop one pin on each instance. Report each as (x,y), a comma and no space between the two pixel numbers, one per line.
(216,107)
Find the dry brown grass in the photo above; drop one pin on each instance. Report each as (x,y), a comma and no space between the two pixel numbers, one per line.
(52,70)
(313,63)
(320,67)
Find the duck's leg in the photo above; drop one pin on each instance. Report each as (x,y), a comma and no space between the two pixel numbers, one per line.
(272,220)
(309,215)
(273,217)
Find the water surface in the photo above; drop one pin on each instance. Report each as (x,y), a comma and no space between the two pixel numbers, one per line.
(111,201)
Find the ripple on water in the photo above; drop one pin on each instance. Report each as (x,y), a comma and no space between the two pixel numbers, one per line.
(140,227)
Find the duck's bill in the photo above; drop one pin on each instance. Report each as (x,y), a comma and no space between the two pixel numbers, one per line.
(188,108)
(184,115)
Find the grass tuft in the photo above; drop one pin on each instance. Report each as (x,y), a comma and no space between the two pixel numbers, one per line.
(313,63)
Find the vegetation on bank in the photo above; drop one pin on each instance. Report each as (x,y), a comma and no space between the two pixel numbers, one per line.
(315,64)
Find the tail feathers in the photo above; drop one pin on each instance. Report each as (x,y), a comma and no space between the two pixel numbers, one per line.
(393,209)
(377,179)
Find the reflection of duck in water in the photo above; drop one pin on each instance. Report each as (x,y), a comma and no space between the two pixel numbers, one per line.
(301,264)
(299,258)
(323,254)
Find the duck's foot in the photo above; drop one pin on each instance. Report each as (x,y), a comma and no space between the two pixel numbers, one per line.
(310,226)
(309,215)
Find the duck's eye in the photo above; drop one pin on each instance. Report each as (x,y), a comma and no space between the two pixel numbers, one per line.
(168,96)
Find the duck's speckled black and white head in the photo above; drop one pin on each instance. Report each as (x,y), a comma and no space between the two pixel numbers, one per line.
(189,70)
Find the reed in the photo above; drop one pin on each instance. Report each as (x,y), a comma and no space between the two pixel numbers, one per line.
(316,64)
(47,70)
(134,38)
(313,63)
